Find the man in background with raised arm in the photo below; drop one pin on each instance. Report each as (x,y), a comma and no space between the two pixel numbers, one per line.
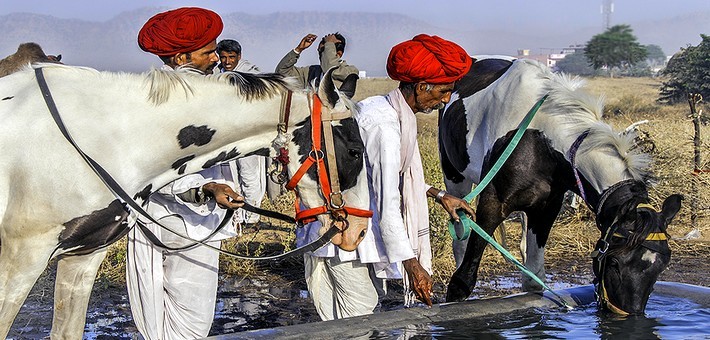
(330,52)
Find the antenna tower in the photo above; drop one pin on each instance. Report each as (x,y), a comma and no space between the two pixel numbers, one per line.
(607,9)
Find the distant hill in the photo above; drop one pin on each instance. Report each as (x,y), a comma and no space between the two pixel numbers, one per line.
(111,45)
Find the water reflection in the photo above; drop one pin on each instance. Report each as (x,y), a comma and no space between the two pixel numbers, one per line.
(666,318)
(633,327)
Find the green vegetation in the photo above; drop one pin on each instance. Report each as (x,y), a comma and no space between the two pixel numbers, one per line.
(614,49)
(688,72)
(576,63)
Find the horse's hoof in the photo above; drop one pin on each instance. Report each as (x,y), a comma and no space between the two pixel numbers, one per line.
(457,290)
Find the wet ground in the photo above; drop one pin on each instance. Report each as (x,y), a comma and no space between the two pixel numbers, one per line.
(277,296)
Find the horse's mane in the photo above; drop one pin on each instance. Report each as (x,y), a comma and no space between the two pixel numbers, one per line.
(581,111)
(163,83)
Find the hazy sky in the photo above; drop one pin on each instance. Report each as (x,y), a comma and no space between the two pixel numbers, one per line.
(494,14)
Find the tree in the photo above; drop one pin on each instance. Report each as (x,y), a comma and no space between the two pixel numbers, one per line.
(655,55)
(575,63)
(688,71)
(615,48)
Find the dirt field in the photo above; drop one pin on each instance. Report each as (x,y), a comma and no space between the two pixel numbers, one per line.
(278,287)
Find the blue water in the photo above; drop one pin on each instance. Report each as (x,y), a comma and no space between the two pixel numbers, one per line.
(666,317)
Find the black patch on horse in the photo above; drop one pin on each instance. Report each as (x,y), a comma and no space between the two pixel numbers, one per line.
(482,73)
(198,135)
(259,152)
(180,163)
(143,194)
(453,127)
(349,150)
(222,157)
(349,86)
(314,74)
(182,169)
(8,98)
(86,234)
(453,154)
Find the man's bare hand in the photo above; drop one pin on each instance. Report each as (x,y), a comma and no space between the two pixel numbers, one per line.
(223,194)
(331,38)
(306,42)
(420,279)
(452,203)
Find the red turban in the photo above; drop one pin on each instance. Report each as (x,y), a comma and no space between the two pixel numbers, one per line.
(428,59)
(181,30)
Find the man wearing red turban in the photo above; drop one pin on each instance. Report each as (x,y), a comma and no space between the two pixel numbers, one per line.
(426,67)
(173,293)
(183,37)
(397,245)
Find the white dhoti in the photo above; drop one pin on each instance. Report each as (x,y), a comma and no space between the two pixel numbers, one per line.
(163,282)
(251,173)
(339,289)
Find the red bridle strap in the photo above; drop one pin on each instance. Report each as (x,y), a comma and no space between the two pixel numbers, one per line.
(316,156)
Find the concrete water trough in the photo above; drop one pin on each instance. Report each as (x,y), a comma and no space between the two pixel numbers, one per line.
(379,322)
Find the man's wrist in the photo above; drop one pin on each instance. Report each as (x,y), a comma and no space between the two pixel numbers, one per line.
(440,195)
(295,50)
(202,196)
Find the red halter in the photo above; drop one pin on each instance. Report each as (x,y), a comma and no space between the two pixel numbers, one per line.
(330,188)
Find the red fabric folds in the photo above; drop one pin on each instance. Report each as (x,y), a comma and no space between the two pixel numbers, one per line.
(180,30)
(429,59)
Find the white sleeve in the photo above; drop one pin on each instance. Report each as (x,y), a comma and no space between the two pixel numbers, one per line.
(382,144)
(184,184)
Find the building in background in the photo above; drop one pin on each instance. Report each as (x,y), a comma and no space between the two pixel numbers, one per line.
(552,55)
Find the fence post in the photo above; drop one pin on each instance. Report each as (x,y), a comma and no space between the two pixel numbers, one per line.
(693,100)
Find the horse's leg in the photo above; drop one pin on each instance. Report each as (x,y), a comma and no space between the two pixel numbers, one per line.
(460,190)
(524,236)
(72,289)
(539,223)
(489,215)
(22,261)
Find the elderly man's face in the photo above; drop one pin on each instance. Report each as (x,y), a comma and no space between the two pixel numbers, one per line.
(204,59)
(432,97)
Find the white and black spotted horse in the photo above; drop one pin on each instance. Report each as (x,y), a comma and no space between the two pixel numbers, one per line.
(477,125)
(145,131)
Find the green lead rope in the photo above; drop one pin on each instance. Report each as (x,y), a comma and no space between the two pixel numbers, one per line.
(471,225)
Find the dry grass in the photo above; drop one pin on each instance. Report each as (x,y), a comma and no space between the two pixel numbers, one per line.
(574,234)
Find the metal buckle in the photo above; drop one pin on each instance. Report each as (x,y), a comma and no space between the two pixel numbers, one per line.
(316,154)
(339,196)
(602,250)
(278,176)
